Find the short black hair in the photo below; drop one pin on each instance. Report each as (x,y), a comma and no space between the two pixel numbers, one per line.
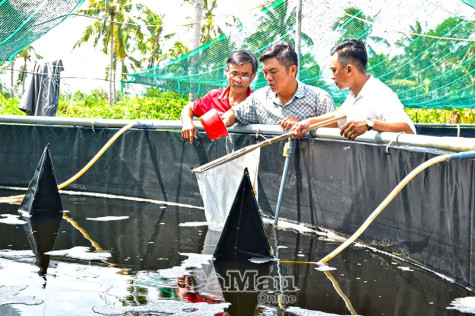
(351,50)
(241,57)
(283,52)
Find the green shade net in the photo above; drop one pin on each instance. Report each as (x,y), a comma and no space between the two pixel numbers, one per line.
(469,2)
(24,21)
(423,50)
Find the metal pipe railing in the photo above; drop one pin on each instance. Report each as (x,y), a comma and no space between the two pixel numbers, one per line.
(455,144)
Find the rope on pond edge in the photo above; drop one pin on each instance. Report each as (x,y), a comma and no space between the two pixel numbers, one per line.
(390,197)
(85,168)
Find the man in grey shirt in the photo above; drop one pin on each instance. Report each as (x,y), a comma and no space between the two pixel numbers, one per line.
(286,100)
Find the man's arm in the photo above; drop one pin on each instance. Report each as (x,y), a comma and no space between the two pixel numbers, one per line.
(188,131)
(396,127)
(229,118)
(353,129)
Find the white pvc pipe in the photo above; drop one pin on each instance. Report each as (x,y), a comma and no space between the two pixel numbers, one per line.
(455,144)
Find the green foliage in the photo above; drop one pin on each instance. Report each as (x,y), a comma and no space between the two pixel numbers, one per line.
(155,105)
(9,106)
(454,116)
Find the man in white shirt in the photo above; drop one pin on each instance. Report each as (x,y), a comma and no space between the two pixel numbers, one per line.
(371,105)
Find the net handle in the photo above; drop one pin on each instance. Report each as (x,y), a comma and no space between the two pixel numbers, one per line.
(241,152)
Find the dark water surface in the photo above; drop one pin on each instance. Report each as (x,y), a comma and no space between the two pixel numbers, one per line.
(118,257)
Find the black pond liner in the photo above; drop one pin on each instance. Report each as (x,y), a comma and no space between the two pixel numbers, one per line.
(333,184)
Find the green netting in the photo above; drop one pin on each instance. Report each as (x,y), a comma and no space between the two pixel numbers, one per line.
(422,49)
(24,21)
(469,2)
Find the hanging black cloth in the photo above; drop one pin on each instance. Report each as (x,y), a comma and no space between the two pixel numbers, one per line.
(41,96)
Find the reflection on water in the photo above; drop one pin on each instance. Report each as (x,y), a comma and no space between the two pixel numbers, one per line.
(112,257)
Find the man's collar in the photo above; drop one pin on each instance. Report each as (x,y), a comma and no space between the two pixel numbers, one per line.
(365,88)
(300,93)
(225,93)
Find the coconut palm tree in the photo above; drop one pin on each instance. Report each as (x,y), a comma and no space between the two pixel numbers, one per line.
(151,45)
(436,69)
(178,49)
(210,29)
(355,24)
(113,30)
(278,23)
(26,55)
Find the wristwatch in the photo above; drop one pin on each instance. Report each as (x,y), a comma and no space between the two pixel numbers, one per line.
(369,124)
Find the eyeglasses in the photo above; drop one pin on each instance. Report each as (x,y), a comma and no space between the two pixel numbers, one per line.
(244,77)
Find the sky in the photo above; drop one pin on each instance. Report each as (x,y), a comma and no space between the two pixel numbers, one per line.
(89,63)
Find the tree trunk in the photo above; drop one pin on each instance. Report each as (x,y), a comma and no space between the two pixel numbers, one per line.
(199,5)
(113,79)
(23,78)
(154,56)
(111,67)
(12,91)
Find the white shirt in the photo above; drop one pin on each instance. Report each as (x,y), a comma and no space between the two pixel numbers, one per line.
(376,101)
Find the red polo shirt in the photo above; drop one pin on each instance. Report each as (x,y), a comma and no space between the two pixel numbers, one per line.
(214,99)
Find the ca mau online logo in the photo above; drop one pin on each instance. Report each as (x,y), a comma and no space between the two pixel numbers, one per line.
(271,289)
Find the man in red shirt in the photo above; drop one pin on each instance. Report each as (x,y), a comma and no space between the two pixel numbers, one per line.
(241,68)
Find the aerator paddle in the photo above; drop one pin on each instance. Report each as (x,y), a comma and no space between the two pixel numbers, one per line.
(247,149)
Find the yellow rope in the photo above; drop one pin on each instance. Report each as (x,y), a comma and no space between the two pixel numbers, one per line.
(83,170)
(383,204)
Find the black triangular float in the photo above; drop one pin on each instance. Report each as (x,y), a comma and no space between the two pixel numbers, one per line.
(42,194)
(42,210)
(243,235)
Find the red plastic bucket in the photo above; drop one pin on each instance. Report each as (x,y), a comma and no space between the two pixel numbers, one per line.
(213,125)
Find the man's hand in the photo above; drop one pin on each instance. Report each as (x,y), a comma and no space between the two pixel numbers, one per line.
(189,132)
(352,129)
(287,123)
(299,128)
(229,118)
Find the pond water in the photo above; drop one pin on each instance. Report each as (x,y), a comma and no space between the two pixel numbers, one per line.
(117,257)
